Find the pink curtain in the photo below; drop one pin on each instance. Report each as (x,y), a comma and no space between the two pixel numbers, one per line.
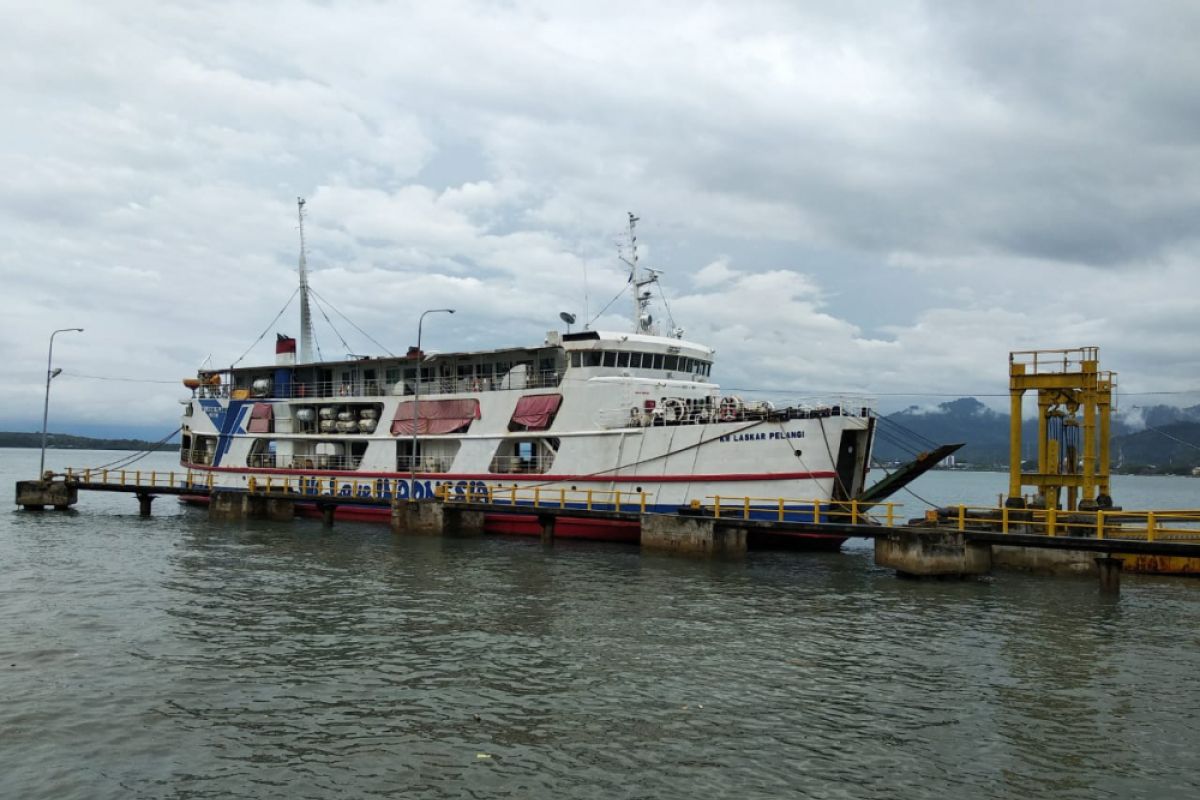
(535,411)
(435,416)
(260,418)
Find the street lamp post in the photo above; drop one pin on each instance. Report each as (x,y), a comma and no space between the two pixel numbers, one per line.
(417,395)
(50,373)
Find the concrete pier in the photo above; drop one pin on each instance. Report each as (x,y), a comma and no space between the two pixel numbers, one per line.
(36,495)
(435,519)
(1109,568)
(546,521)
(459,520)
(692,535)
(234,506)
(144,501)
(418,518)
(929,553)
(1043,561)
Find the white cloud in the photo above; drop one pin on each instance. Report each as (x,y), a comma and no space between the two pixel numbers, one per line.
(843,196)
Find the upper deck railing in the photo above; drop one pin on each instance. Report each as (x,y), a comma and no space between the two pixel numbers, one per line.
(334,390)
(706,410)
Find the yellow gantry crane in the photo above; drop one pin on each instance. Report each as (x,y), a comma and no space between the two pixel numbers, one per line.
(1075,402)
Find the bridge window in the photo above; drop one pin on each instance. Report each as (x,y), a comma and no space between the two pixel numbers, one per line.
(622,360)
(576,359)
(592,358)
(671,363)
(658,361)
(610,358)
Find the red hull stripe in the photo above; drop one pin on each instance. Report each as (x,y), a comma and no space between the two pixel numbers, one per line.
(534,477)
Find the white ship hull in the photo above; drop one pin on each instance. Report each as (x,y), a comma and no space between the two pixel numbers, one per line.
(663,440)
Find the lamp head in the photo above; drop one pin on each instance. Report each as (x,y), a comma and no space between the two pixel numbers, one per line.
(56,372)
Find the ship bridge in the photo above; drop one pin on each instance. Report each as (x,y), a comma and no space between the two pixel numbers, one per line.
(638,355)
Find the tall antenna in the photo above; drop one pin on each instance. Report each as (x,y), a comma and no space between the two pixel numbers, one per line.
(634,273)
(306,328)
(643,322)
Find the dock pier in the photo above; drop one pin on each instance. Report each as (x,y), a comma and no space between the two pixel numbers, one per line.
(960,542)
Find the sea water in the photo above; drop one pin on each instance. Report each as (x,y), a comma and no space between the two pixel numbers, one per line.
(172,657)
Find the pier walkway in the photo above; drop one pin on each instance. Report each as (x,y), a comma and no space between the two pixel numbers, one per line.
(958,540)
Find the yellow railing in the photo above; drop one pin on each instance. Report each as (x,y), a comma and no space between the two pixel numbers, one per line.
(1140,525)
(141,479)
(558,498)
(783,509)
(533,496)
(366,488)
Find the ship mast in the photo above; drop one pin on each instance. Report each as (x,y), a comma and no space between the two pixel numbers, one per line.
(643,322)
(306,329)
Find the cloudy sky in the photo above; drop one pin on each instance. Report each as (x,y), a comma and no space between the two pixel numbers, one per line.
(882,198)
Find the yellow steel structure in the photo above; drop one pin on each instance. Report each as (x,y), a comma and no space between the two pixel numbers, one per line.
(1075,402)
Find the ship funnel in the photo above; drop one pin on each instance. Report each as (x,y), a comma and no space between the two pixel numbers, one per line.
(285,350)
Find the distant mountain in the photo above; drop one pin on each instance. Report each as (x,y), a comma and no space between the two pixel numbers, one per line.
(984,431)
(1173,447)
(59,441)
(1154,438)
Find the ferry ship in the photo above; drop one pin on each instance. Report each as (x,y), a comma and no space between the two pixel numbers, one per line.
(630,411)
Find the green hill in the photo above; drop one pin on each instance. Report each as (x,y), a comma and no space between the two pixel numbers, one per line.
(62,441)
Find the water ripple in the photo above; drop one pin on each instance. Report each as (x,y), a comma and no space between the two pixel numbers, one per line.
(179,659)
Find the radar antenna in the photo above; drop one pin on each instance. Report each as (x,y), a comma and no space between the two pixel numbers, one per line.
(643,321)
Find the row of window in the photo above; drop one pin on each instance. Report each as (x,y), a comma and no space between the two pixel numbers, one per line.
(625,360)
(511,456)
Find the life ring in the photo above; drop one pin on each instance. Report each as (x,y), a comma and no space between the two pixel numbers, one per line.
(728,409)
(673,409)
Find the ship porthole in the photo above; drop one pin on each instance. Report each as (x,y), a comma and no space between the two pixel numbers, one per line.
(797,454)
(639,490)
(574,488)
